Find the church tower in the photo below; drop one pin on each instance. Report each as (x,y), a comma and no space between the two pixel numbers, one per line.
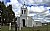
(23,16)
(24,10)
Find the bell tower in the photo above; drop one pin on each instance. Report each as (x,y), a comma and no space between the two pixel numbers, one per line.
(24,10)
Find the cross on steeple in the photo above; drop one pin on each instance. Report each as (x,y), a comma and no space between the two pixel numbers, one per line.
(24,6)
(24,3)
(24,9)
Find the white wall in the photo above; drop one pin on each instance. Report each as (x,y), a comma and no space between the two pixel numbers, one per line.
(38,23)
(29,22)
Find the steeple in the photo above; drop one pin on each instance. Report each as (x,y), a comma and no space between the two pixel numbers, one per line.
(24,10)
(24,6)
(24,3)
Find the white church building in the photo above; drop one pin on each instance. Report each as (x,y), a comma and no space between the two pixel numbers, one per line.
(26,21)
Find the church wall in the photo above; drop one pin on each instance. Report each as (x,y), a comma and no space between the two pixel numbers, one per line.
(34,23)
(29,22)
(38,24)
(22,21)
(18,21)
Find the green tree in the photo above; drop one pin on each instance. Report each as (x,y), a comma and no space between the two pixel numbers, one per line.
(7,13)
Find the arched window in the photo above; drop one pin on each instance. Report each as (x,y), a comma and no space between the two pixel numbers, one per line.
(36,23)
(22,11)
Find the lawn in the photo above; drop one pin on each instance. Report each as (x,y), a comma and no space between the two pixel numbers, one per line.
(4,28)
(43,28)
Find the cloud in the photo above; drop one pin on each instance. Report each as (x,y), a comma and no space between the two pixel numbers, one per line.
(37,9)
(0,0)
(16,6)
(33,1)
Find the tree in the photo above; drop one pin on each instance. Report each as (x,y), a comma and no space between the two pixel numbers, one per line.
(7,13)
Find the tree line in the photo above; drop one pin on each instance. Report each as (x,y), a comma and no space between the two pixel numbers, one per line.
(7,14)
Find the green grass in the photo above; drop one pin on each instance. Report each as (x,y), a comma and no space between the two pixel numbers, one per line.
(43,28)
(4,28)
(27,29)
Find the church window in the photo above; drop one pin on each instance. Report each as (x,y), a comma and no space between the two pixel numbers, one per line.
(22,11)
(36,23)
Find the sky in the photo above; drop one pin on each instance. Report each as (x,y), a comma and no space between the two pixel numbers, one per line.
(17,4)
(32,5)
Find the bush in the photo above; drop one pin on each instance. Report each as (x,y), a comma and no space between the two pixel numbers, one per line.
(38,30)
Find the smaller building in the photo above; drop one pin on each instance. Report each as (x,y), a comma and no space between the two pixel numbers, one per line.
(37,23)
(43,24)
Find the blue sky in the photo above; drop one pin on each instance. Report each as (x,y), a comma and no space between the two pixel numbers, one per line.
(32,5)
(29,3)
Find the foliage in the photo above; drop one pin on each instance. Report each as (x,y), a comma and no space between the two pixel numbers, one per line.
(8,14)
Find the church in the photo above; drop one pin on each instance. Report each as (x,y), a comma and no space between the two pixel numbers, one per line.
(26,21)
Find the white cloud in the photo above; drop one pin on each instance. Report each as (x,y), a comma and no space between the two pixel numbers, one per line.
(30,1)
(37,9)
(1,0)
(14,1)
(16,6)
(28,8)
(48,7)
(37,1)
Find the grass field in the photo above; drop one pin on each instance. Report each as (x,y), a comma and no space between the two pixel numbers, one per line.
(43,28)
(4,28)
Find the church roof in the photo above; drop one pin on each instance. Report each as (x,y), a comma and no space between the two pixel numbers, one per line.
(38,21)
